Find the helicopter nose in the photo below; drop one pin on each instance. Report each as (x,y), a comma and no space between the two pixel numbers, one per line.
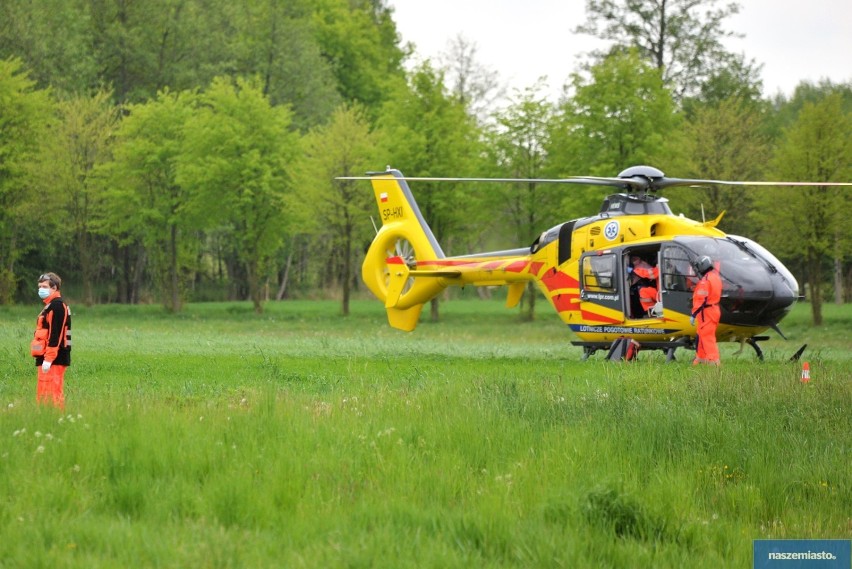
(784,296)
(761,298)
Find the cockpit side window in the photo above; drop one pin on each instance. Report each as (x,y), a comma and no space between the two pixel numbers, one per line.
(598,271)
(677,272)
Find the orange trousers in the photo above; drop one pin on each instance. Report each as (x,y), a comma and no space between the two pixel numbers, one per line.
(49,390)
(707,351)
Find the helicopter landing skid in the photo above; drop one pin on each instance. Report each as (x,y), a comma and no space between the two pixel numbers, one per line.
(589,348)
(753,343)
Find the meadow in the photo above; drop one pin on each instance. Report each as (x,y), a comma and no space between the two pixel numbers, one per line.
(299,438)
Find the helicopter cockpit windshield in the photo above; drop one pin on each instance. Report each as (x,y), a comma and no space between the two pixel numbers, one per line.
(755,285)
(739,267)
(771,261)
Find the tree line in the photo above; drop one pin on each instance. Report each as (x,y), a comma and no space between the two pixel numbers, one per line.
(179,150)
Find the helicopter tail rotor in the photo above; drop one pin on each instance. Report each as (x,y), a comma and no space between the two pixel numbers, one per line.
(389,268)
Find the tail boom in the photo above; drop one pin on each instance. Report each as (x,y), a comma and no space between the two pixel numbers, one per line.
(405,267)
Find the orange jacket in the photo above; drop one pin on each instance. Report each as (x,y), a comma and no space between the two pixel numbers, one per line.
(56,319)
(707,293)
(645,271)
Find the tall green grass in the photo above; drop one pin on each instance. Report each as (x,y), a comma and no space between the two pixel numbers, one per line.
(219,438)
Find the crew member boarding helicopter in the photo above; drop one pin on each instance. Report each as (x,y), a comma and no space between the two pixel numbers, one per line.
(626,272)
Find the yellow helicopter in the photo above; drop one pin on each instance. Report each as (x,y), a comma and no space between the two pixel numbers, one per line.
(588,267)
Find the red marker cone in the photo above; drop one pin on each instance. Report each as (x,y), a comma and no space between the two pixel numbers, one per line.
(806,372)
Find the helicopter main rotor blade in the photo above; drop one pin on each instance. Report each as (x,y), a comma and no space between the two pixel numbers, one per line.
(633,183)
(673,182)
(575,180)
(439,179)
(637,183)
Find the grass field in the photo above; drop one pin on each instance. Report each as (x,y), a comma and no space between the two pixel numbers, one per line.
(298,438)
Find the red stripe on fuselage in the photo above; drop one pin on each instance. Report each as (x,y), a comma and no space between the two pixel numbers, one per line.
(591,316)
(563,302)
(477,265)
(558,280)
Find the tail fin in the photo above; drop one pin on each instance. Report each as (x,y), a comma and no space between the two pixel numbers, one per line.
(403,240)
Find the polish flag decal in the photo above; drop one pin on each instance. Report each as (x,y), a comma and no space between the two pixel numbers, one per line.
(383,197)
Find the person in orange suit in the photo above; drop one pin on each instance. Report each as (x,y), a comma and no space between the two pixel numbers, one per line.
(647,297)
(51,346)
(643,285)
(706,312)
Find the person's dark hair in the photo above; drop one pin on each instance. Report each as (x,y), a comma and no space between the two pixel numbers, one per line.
(53,278)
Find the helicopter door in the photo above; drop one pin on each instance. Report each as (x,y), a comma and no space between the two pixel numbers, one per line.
(600,290)
(643,282)
(678,279)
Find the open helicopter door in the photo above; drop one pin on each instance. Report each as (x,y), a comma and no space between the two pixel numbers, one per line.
(677,278)
(642,282)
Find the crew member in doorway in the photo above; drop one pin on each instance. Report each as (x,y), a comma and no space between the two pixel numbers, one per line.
(643,286)
(706,312)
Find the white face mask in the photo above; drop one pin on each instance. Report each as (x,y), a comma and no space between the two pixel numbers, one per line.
(43,293)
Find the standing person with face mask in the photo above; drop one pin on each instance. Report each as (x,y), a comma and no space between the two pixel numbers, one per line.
(51,345)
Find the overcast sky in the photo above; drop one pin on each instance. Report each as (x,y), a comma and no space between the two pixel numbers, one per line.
(524,39)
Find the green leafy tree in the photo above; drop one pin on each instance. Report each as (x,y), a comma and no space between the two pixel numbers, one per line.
(79,141)
(25,113)
(681,38)
(621,116)
(53,38)
(235,164)
(341,209)
(426,132)
(144,47)
(519,148)
(142,197)
(787,109)
(724,142)
(127,38)
(278,44)
(360,41)
(812,223)
(738,81)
